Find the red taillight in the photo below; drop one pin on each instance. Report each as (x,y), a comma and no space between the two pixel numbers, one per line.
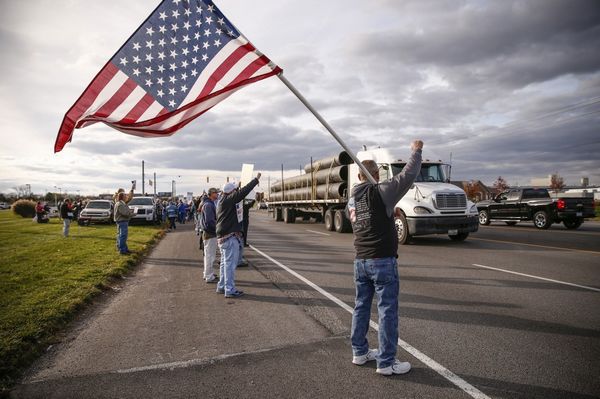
(560,204)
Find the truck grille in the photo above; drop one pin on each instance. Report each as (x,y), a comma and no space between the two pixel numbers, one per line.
(450,201)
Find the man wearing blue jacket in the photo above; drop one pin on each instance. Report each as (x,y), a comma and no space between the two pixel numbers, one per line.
(371,210)
(208,225)
(229,234)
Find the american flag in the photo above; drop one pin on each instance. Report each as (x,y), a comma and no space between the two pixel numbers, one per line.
(183,60)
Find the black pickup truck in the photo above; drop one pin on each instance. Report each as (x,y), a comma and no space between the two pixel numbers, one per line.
(519,204)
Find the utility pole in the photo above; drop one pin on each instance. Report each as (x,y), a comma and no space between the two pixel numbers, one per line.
(143,180)
(155,184)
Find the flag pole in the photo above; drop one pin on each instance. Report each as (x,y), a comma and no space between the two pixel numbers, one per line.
(327,126)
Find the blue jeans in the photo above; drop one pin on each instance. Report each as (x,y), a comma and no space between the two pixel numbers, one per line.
(230,252)
(122,231)
(376,276)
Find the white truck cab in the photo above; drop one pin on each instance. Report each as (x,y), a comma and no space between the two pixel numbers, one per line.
(431,206)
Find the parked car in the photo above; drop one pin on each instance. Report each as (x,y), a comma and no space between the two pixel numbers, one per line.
(535,204)
(4,205)
(97,211)
(143,208)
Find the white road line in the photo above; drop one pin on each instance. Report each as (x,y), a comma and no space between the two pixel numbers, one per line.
(318,232)
(536,245)
(539,278)
(441,370)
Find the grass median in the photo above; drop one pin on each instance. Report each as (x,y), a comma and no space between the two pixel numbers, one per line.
(46,278)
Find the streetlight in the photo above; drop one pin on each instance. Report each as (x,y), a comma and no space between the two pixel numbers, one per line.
(55,200)
(173,187)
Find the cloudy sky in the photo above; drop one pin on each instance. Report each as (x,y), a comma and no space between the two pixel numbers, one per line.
(510,88)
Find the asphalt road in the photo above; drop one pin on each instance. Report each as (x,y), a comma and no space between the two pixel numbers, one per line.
(473,327)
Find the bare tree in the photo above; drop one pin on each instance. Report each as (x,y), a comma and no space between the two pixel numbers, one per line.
(472,191)
(557,183)
(500,185)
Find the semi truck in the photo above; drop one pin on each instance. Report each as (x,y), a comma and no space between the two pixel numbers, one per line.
(431,206)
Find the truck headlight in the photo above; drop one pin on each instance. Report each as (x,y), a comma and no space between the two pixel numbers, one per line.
(421,210)
(473,209)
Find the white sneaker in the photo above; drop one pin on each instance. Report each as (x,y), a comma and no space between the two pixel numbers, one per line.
(367,357)
(397,368)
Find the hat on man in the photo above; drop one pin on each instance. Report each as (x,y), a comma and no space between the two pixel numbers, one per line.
(212,190)
(229,187)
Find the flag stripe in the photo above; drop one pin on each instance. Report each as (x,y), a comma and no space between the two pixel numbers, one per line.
(140,108)
(127,105)
(152,112)
(113,103)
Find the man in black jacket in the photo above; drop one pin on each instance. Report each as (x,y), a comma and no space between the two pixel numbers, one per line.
(66,213)
(371,209)
(229,234)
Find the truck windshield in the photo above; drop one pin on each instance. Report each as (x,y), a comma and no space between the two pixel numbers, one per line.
(429,172)
(98,205)
(140,201)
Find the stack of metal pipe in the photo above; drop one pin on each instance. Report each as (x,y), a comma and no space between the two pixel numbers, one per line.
(324,179)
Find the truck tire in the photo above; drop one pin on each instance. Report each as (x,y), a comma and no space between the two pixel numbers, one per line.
(289,215)
(572,224)
(541,220)
(402,229)
(459,236)
(341,222)
(511,223)
(484,217)
(329,226)
(278,214)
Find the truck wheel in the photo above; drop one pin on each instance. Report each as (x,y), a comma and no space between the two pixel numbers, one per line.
(329,226)
(341,222)
(459,237)
(484,217)
(289,215)
(402,229)
(572,224)
(541,220)
(511,223)
(278,214)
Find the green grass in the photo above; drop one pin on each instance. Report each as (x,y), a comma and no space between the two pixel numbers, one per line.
(46,278)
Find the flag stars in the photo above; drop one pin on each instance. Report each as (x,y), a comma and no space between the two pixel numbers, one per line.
(184,76)
(207,32)
(172,66)
(161,55)
(163,15)
(204,57)
(172,91)
(220,21)
(195,60)
(123,61)
(198,23)
(161,68)
(149,57)
(172,79)
(186,38)
(187,12)
(162,42)
(208,20)
(175,14)
(187,25)
(136,59)
(171,103)
(136,71)
(160,81)
(197,35)
(174,27)
(185,51)
(211,8)
(162,29)
(217,42)
(149,31)
(205,45)
(199,10)
(149,70)
(173,53)
(196,48)
(184,64)
(149,44)
(160,93)
(174,40)
(148,82)
(176,2)
(219,32)
(184,88)
(136,46)
(194,72)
